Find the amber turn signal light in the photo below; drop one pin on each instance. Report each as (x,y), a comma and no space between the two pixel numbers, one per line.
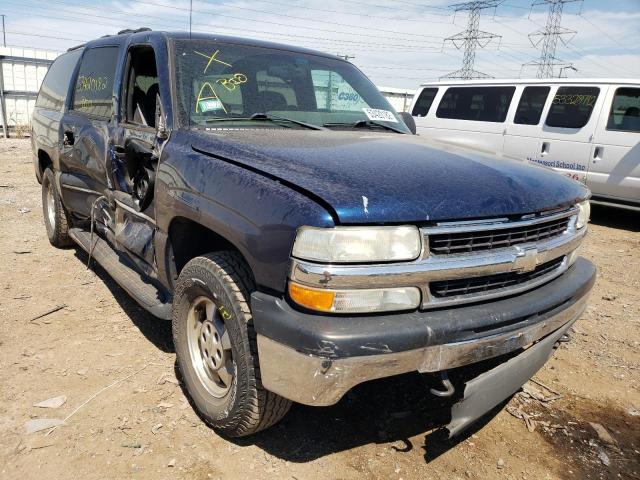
(311,298)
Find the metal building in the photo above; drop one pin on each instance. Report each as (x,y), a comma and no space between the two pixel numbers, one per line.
(21,73)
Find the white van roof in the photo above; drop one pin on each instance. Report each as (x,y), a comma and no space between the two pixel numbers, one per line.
(542,81)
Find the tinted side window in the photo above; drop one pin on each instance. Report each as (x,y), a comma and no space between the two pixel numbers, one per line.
(482,104)
(531,105)
(94,85)
(53,92)
(625,110)
(572,107)
(422,106)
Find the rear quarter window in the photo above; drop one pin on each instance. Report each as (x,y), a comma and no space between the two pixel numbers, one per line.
(53,92)
(482,104)
(424,102)
(93,94)
(572,106)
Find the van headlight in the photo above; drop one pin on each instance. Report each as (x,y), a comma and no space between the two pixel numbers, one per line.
(357,244)
(584,212)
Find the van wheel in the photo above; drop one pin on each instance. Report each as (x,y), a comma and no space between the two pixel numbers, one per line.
(55,217)
(216,346)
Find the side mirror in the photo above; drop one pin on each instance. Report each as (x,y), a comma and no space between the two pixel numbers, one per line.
(409,121)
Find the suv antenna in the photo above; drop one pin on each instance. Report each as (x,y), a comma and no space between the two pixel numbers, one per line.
(190,14)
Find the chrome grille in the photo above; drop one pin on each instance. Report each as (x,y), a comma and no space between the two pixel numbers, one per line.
(474,285)
(488,239)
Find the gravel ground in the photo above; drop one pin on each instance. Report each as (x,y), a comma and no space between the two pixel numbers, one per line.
(128,417)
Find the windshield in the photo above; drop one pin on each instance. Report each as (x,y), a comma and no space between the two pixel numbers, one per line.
(227,83)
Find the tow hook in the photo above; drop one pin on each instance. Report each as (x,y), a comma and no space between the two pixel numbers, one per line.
(449,389)
(566,338)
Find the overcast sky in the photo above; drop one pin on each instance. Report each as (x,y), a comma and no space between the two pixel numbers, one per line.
(398,44)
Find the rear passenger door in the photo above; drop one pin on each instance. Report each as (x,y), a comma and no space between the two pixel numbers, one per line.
(522,136)
(569,128)
(86,130)
(614,171)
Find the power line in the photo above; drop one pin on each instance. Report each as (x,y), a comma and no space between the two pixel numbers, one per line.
(471,38)
(414,46)
(549,36)
(216,14)
(360,14)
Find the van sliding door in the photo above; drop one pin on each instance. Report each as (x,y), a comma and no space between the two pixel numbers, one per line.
(569,128)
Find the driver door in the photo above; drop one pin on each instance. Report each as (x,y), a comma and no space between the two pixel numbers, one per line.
(136,157)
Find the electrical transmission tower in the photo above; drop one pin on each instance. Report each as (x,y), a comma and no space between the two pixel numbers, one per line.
(471,38)
(549,37)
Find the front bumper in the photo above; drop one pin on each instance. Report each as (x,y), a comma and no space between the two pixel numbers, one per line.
(315,359)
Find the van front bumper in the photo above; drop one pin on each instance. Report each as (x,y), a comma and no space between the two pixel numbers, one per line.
(315,359)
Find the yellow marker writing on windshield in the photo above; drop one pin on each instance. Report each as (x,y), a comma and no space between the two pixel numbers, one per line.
(213,96)
(211,58)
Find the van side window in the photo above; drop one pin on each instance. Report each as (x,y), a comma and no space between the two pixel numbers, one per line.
(53,93)
(625,110)
(482,104)
(422,106)
(94,85)
(531,105)
(572,107)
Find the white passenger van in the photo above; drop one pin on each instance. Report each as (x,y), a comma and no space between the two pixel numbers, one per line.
(588,129)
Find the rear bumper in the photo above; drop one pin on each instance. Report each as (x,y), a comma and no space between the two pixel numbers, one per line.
(315,360)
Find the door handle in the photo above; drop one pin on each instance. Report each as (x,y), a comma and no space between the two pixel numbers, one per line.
(597,154)
(67,139)
(545,148)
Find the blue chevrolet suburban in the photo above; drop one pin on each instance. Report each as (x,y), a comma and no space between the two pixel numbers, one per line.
(271,203)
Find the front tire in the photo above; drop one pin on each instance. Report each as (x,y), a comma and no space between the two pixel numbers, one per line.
(216,346)
(55,216)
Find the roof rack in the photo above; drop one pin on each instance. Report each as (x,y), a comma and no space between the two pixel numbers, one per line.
(137,30)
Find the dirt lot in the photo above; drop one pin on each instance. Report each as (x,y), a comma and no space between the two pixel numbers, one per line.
(128,417)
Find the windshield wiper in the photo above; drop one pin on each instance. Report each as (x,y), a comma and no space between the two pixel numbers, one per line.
(364,124)
(266,117)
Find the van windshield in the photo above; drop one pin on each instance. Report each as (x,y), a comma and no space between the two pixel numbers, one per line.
(222,84)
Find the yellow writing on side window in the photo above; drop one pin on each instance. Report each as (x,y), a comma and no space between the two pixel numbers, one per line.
(587,100)
(91,84)
(211,95)
(211,58)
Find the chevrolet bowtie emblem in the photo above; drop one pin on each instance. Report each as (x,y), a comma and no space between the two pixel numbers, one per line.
(526,260)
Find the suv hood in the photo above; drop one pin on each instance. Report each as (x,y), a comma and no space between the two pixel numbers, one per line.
(371,177)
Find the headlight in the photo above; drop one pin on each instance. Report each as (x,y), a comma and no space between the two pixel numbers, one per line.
(355,301)
(357,244)
(584,212)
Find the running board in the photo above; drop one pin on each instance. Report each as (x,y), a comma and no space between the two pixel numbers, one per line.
(151,297)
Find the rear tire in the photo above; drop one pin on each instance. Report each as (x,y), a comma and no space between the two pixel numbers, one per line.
(55,216)
(216,346)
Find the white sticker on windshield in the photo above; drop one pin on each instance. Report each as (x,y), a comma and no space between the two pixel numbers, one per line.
(210,104)
(380,115)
